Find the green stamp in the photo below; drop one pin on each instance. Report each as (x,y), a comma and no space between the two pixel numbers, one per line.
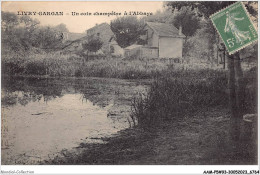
(235,27)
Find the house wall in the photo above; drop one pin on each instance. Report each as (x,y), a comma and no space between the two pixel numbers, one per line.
(170,47)
(117,50)
(152,37)
(134,53)
(148,52)
(104,32)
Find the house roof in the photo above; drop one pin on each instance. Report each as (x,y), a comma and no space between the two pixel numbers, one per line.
(75,36)
(163,29)
(98,25)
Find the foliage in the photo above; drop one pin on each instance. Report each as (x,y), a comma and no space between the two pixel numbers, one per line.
(9,20)
(93,45)
(187,19)
(160,16)
(56,64)
(171,98)
(204,8)
(61,28)
(199,46)
(127,30)
(45,38)
(22,33)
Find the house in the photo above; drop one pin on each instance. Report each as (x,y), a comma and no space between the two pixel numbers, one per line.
(69,36)
(114,48)
(106,35)
(73,45)
(161,41)
(73,41)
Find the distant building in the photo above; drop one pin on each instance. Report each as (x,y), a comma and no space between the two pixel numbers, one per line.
(69,36)
(133,51)
(161,41)
(73,41)
(106,35)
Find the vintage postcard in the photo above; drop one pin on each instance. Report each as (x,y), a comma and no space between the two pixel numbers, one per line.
(129,83)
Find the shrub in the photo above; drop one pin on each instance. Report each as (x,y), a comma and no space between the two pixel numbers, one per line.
(35,68)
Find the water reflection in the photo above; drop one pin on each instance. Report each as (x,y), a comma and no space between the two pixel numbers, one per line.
(44,116)
(25,90)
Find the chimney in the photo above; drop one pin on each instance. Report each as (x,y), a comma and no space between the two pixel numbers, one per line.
(180,30)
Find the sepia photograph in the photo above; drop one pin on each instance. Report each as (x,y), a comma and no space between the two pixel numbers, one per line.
(129,83)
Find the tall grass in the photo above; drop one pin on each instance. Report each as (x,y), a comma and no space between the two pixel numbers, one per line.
(171,97)
(56,64)
(181,93)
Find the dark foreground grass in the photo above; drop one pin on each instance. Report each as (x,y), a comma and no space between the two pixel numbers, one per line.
(179,93)
(184,92)
(199,139)
(130,144)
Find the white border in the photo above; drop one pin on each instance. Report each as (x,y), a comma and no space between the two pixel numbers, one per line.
(129,169)
(126,169)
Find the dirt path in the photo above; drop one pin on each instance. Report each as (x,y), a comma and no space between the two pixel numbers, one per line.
(201,139)
(193,140)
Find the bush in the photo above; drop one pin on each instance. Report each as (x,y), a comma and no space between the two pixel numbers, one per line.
(35,68)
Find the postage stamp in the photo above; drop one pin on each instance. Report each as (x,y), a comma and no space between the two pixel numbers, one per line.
(235,27)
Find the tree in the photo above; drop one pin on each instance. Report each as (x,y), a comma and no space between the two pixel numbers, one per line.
(9,21)
(160,16)
(236,82)
(92,45)
(12,34)
(204,9)
(61,28)
(46,38)
(28,23)
(21,34)
(127,30)
(187,19)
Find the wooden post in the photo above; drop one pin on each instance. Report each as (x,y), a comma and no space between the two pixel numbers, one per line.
(231,85)
(249,136)
(234,125)
(236,100)
(224,59)
(240,94)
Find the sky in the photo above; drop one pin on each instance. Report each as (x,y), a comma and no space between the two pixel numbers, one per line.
(80,23)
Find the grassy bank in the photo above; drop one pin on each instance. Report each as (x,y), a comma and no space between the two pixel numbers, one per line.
(199,139)
(58,65)
(71,65)
(183,120)
(184,92)
(173,95)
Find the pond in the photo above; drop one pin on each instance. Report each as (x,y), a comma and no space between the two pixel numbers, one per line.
(42,116)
